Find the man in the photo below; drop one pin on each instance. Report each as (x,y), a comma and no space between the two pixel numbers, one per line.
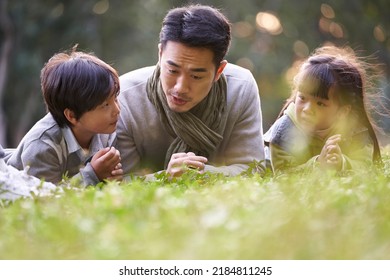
(193,109)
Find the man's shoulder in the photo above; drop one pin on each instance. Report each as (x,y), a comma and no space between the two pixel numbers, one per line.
(234,71)
(241,85)
(135,77)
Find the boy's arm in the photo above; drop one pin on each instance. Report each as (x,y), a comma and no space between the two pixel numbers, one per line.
(43,161)
(87,175)
(46,163)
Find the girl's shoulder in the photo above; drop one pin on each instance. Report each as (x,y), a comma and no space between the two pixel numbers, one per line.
(280,132)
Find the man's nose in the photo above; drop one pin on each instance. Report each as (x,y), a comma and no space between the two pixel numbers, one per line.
(182,84)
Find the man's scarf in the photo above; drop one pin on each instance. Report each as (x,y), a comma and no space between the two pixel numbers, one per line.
(198,130)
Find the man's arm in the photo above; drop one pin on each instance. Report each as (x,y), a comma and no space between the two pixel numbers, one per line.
(245,144)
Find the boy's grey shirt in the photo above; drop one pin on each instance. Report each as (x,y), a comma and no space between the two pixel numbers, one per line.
(143,141)
(52,152)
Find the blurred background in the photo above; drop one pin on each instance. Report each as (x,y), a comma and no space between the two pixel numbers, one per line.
(269,38)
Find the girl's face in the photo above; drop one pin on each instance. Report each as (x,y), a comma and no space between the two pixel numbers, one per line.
(314,113)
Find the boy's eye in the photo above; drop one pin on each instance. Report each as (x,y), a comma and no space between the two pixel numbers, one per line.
(106,104)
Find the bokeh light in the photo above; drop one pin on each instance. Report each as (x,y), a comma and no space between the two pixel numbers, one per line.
(379,33)
(242,29)
(101,7)
(268,22)
(327,11)
(246,63)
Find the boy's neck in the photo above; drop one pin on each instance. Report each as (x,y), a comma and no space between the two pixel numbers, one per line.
(83,138)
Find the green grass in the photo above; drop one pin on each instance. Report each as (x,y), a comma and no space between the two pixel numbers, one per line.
(295,216)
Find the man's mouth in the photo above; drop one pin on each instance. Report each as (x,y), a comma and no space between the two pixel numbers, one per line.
(178,100)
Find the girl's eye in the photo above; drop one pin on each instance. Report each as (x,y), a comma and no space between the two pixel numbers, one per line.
(319,103)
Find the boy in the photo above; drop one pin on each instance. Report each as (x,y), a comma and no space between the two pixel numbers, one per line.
(75,138)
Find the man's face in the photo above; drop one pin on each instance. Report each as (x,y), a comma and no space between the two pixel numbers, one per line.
(187,75)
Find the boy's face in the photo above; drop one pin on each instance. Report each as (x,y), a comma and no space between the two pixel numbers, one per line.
(187,74)
(103,119)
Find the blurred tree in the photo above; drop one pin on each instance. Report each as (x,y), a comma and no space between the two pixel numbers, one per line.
(5,47)
(269,36)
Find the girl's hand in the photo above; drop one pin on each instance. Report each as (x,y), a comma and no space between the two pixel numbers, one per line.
(180,162)
(331,155)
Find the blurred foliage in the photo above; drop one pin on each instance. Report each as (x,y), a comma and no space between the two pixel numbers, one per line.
(298,216)
(268,37)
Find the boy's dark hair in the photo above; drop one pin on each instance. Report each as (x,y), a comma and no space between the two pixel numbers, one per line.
(198,26)
(76,81)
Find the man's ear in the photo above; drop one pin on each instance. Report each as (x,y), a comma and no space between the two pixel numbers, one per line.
(220,69)
(70,116)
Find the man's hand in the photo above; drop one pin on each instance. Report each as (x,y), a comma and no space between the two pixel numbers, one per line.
(180,162)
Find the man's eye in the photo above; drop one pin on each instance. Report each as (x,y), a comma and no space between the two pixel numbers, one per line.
(196,77)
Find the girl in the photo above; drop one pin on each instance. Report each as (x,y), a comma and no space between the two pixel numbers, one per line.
(325,121)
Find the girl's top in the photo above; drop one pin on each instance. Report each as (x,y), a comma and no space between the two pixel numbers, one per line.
(291,147)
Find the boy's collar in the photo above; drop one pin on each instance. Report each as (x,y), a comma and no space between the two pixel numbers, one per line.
(70,139)
(96,143)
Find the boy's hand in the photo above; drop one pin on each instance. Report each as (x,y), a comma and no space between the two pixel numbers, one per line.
(105,162)
(331,155)
(117,173)
(179,163)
